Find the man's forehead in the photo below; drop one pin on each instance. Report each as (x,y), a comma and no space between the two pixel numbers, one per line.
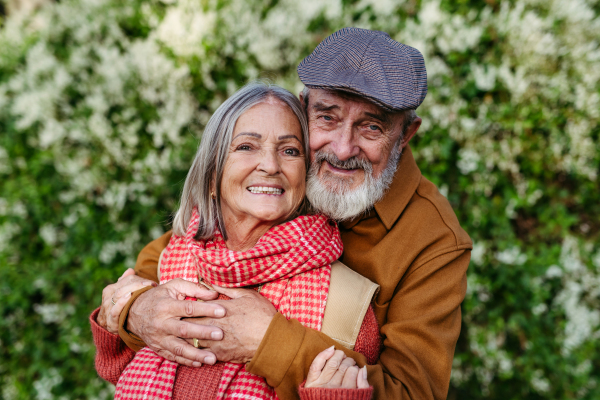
(340,98)
(324,99)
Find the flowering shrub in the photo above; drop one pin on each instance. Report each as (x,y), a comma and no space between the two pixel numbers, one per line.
(102,104)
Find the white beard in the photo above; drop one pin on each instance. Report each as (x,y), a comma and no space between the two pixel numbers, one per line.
(333,197)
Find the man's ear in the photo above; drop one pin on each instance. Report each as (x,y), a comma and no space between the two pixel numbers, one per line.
(410,131)
(301,97)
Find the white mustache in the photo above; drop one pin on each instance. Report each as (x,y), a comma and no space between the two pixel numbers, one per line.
(351,163)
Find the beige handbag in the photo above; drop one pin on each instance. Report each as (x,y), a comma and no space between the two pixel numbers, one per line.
(349,297)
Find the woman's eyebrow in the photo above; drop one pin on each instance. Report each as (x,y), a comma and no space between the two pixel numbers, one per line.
(254,134)
(288,137)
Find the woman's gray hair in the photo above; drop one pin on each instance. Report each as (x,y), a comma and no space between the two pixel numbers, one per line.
(212,154)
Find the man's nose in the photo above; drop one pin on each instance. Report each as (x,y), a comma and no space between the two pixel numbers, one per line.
(269,162)
(344,144)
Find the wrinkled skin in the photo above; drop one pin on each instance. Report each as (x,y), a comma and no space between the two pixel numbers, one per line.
(119,293)
(248,317)
(157,317)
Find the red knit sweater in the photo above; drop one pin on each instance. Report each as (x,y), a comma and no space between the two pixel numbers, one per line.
(112,357)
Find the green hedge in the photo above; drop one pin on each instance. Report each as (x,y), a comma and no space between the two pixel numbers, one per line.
(102,104)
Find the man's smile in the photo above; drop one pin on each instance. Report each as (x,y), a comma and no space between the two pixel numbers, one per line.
(340,169)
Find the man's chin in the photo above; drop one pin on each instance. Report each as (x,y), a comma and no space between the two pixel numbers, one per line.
(340,184)
(334,199)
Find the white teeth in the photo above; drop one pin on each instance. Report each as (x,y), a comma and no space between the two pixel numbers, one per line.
(265,190)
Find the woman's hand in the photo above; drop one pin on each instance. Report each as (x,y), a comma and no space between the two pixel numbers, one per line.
(332,369)
(116,296)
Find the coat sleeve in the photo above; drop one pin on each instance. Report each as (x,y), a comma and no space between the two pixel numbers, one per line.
(112,356)
(146,265)
(420,331)
(147,261)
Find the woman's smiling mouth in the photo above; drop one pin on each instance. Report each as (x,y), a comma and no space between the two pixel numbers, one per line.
(265,190)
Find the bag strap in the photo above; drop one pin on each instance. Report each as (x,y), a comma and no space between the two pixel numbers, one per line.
(159,262)
(349,297)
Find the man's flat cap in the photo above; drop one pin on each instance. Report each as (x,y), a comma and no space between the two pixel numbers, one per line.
(370,64)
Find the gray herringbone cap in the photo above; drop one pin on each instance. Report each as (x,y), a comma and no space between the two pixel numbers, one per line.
(368,63)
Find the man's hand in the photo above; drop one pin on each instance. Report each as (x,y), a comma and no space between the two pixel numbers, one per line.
(248,317)
(332,369)
(115,296)
(156,316)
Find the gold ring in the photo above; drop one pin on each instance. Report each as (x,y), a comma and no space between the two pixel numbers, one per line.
(112,301)
(196,345)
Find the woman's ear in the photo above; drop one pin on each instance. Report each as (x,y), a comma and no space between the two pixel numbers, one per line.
(213,186)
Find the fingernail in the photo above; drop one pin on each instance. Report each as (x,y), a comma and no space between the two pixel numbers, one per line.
(128,295)
(147,283)
(219,312)
(196,364)
(364,372)
(331,348)
(209,360)
(216,335)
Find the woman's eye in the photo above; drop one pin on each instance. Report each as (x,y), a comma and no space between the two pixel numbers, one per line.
(243,147)
(292,152)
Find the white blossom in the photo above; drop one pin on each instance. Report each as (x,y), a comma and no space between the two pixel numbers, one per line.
(478,253)
(46,383)
(3,159)
(49,234)
(539,309)
(539,382)
(7,231)
(582,318)
(54,313)
(511,256)
(185,26)
(468,161)
(554,271)
(484,75)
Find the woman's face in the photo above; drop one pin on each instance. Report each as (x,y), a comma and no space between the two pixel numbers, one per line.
(264,175)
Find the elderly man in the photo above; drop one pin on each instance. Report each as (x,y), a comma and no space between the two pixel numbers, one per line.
(362,89)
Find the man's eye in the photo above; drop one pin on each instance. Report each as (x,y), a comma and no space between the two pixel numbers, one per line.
(327,118)
(374,128)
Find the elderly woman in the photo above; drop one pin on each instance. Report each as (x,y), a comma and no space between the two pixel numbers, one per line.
(240,224)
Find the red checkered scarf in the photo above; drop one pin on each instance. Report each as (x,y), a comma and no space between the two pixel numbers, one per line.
(292,261)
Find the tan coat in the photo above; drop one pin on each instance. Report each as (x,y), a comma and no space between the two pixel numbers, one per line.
(412,245)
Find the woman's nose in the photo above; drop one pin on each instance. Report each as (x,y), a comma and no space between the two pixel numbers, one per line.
(269,162)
